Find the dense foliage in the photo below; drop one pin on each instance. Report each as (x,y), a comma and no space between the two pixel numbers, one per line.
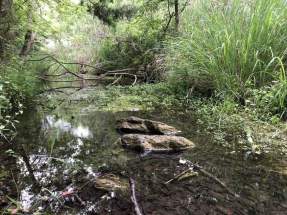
(228,50)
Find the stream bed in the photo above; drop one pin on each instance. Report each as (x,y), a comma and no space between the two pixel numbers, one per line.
(63,152)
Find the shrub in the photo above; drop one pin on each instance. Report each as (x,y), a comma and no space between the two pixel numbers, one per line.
(137,43)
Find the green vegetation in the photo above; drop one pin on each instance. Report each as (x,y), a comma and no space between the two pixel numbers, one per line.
(229,54)
(215,69)
(232,49)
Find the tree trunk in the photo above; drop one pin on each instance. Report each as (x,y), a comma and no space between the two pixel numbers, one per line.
(176,14)
(5,7)
(30,36)
(28,43)
(5,17)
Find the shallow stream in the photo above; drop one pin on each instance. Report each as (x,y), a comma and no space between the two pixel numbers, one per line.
(66,150)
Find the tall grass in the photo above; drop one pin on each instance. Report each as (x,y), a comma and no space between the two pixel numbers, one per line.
(230,46)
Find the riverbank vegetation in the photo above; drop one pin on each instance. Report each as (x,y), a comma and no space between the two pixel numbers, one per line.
(210,71)
(223,57)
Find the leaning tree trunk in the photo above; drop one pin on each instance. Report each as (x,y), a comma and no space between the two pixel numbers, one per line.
(176,14)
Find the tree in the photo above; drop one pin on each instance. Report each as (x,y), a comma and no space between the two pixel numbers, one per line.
(176,14)
(6,18)
(30,36)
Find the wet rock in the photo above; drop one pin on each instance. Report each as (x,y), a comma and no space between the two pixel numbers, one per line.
(155,143)
(111,182)
(144,126)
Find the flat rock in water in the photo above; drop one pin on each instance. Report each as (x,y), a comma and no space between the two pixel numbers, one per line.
(155,143)
(144,126)
(110,182)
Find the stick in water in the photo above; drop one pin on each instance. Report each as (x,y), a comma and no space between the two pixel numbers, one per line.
(133,198)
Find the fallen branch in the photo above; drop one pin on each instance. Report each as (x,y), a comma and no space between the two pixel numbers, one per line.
(55,75)
(59,62)
(133,197)
(81,64)
(120,72)
(93,79)
(60,81)
(59,89)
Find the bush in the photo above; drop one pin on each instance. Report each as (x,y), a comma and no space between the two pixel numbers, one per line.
(231,47)
(137,43)
(18,84)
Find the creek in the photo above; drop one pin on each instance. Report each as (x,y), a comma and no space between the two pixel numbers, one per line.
(68,148)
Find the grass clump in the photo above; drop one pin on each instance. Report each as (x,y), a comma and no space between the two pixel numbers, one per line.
(232,48)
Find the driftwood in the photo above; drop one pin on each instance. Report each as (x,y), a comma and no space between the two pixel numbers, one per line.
(137,208)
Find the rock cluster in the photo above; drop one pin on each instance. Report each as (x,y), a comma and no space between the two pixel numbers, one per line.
(143,135)
(147,135)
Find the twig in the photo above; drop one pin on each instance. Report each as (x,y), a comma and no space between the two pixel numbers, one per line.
(67,87)
(205,173)
(29,167)
(60,81)
(59,62)
(107,73)
(80,200)
(184,6)
(56,75)
(178,176)
(16,185)
(117,80)
(59,89)
(217,180)
(133,198)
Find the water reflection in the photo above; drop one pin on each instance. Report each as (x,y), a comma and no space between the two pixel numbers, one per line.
(67,151)
(26,198)
(79,131)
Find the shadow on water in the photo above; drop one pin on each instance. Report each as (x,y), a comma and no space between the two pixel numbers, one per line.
(66,152)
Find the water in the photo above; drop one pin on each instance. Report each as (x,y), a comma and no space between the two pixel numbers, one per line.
(68,149)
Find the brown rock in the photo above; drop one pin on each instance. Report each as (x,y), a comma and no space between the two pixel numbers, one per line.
(144,126)
(155,143)
(110,182)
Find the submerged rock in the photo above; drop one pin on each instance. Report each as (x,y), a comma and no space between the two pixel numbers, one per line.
(110,182)
(144,126)
(155,143)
